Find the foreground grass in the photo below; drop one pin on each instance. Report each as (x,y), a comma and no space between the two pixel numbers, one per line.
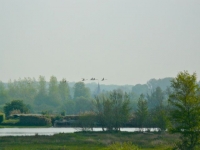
(88,141)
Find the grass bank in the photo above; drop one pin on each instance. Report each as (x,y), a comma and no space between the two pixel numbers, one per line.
(88,141)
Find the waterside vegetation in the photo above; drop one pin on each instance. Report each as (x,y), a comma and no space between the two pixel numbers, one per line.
(92,141)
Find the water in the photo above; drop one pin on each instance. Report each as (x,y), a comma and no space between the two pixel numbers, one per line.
(52,131)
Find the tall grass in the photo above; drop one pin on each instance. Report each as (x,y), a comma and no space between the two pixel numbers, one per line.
(91,141)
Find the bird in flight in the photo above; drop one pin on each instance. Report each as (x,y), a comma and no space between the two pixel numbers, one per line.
(103,79)
(83,79)
(93,79)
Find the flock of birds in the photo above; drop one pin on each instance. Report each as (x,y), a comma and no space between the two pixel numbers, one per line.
(83,79)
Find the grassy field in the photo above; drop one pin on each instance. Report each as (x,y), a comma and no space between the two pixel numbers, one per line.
(88,141)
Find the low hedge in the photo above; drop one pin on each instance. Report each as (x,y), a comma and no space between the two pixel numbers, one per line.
(2,117)
(34,121)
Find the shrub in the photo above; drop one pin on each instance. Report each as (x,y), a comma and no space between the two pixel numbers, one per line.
(34,120)
(54,118)
(87,121)
(2,117)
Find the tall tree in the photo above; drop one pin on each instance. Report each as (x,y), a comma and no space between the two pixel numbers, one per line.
(41,96)
(54,96)
(142,111)
(113,110)
(156,98)
(4,97)
(81,90)
(64,91)
(185,109)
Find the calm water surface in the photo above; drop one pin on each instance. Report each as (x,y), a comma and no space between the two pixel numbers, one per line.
(52,131)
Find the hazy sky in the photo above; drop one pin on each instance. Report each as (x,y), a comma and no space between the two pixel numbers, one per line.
(124,41)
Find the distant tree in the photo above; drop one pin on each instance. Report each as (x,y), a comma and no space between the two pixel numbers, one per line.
(184,104)
(54,96)
(64,91)
(41,97)
(155,99)
(139,89)
(4,97)
(23,89)
(70,107)
(15,105)
(157,110)
(113,110)
(142,111)
(13,89)
(81,90)
(159,117)
(82,105)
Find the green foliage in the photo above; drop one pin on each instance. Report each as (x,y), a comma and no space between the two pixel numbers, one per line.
(87,120)
(54,96)
(142,111)
(185,109)
(41,96)
(10,122)
(157,110)
(122,146)
(54,118)
(88,141)
(22,89)
(80,90)
(62,113)
(70,106)
(82,105)
(34,120)
(2,117)
(45,112)
(64,91)
(113,111)
(4,97)
(155,99)
(159,117)
(15,105)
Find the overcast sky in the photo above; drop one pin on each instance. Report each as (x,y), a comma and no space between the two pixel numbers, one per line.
(124,41)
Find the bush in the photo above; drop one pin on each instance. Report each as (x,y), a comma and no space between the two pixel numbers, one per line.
(87,121)
(34,121)
(10,122)
(54,118)
(2,117)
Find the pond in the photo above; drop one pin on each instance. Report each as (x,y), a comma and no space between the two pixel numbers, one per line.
(52,131)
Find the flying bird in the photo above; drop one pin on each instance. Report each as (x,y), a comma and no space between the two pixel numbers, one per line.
(93,79)
(83,79)
(103,79)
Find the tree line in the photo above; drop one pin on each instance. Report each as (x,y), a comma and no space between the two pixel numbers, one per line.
(53,95)
(46,96)
(176,109)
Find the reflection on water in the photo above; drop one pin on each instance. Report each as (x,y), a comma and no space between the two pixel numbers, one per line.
(52,131)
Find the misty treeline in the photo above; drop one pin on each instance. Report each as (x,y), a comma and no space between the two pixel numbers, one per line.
(52,97)
(147,103)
